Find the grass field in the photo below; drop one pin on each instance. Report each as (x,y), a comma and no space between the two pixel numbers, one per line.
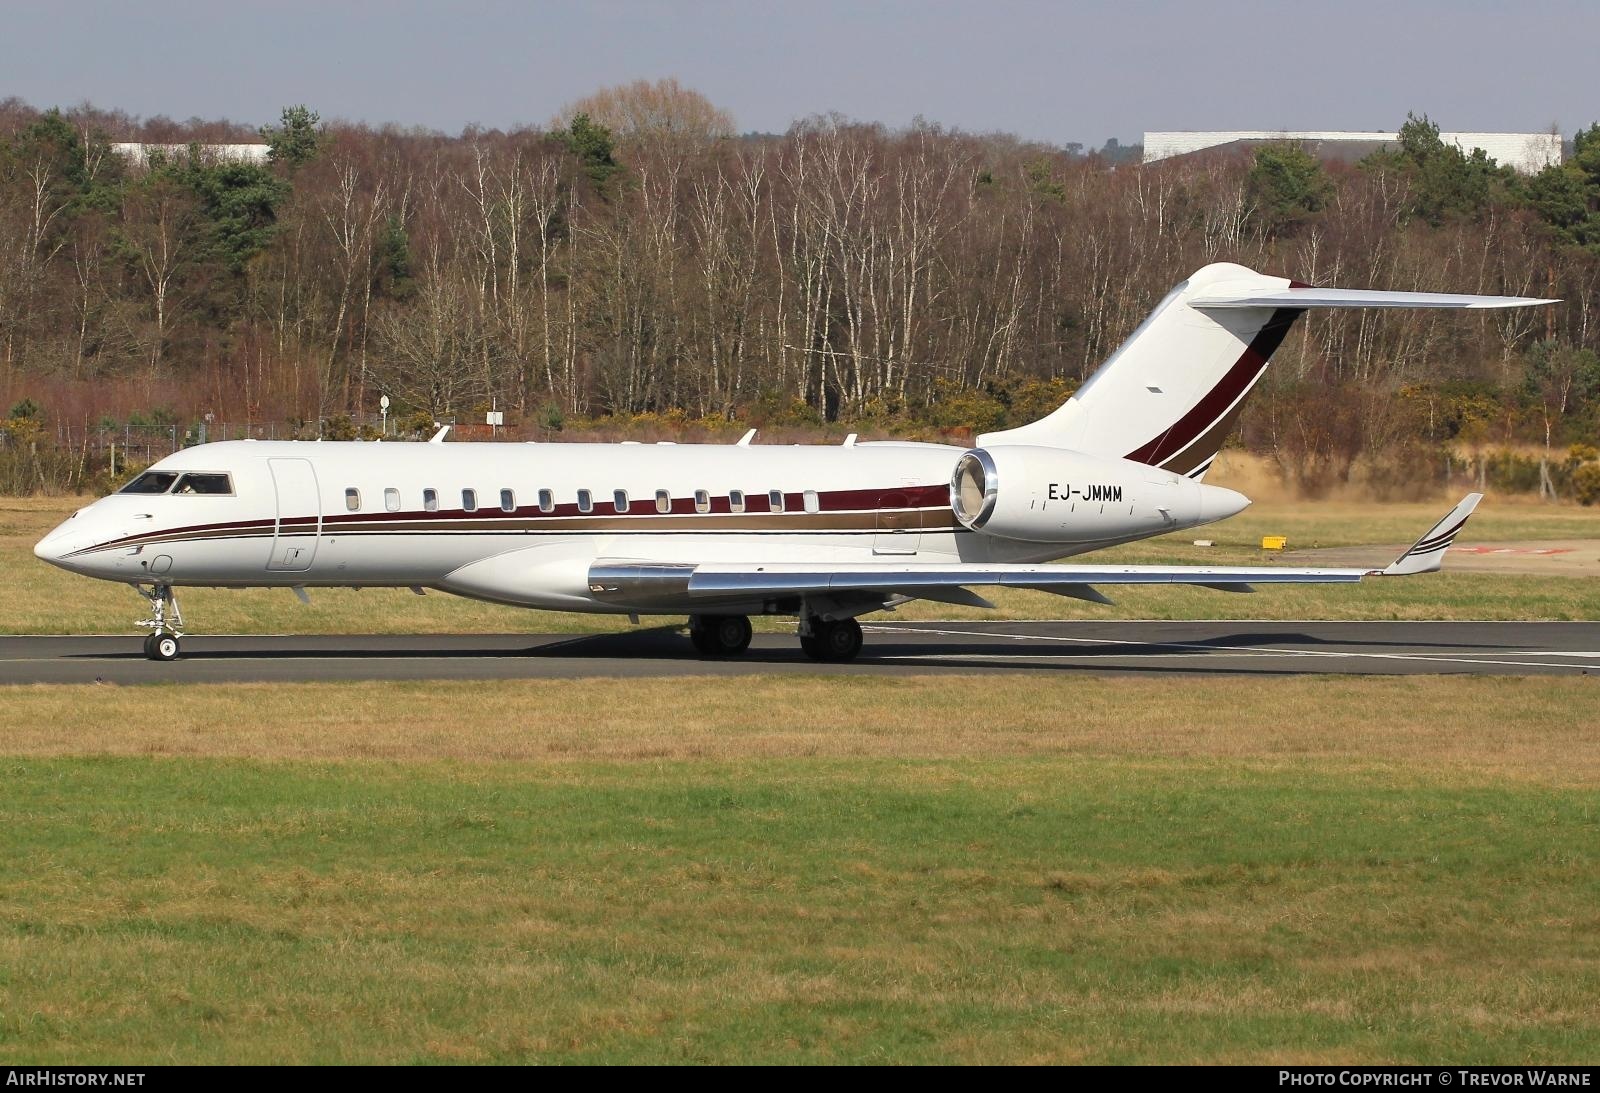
(921,869)
(52,601)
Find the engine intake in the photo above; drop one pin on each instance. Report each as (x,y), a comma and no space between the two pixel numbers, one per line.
(975,488)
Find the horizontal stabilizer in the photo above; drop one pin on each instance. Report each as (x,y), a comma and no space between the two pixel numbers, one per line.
(1222,299)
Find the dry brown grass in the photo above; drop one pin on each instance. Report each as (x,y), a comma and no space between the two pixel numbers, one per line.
(1540,729)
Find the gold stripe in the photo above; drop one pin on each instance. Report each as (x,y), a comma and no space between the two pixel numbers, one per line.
(1207,446)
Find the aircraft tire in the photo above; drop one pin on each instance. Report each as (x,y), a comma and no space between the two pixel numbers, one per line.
(162,647)
(720,635)
(730,634)
(839,640)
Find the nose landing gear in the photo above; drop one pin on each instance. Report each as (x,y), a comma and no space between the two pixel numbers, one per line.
(161,647)
(165,623)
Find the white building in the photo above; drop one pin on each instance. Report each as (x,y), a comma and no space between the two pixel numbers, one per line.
(139,154)
(1528,153)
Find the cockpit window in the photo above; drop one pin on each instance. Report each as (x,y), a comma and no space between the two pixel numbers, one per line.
(151,482)
(204,483)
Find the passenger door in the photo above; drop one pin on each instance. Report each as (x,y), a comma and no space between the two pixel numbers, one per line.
(299,522)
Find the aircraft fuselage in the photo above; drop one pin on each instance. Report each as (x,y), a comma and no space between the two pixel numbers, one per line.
(523,523)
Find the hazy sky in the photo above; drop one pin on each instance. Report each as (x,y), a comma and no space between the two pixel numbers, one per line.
(1064,71)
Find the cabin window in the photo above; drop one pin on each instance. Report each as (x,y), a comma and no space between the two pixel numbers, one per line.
(619,500)
(508,501)
(585,501)
(352,499)
(663,501)
(430,500)
(469,500)
(391,499)
(547,501)
(151,482)
(775,500)
(812,503)
(205,483)
(735,500)
(702,501)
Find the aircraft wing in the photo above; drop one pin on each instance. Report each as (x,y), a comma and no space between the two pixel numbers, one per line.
(948,582)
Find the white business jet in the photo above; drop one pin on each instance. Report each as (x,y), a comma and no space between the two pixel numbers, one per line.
(723,532)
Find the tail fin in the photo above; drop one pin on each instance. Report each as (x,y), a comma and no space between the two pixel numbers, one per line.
(1170,394)
(1427,554)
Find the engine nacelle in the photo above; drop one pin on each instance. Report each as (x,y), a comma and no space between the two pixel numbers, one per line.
(1052,495)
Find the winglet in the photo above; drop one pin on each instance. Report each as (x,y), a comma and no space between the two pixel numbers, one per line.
(744,441)
(438,438)
(1427,553)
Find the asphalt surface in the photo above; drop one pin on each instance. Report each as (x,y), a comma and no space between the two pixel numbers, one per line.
(1096,648)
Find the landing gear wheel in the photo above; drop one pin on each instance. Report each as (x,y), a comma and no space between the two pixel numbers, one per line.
(165,622)
(161,647)
(838,640)
(720,635)
(730,634)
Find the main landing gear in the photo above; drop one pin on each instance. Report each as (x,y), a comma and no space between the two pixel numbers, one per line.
(839,639)
(729,635)
(720,635)
(165,623)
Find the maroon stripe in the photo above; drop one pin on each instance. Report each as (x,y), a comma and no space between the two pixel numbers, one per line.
(251,525)
(1187,429)
(1433,542)
(177,535)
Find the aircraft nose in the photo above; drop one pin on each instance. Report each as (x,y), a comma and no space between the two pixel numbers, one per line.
(1219,503)
(55,547)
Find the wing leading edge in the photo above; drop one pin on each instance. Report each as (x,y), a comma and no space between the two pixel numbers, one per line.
(630,580)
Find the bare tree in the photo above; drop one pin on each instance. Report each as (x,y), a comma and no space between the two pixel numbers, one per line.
(158,216)
(659,111)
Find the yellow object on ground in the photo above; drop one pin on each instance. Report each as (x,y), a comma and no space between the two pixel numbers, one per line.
(1274,542)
